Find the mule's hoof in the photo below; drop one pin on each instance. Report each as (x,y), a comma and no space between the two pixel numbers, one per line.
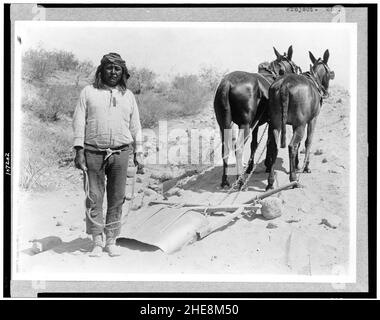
(239,183)
(267,170)
(225,184)
(297,185)
(269,187)
(306,170)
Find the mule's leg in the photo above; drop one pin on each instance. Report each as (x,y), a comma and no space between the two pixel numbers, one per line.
(268,159)
(251,161)
(297,157)
(297,167)
(309,139)
(294,143)
(272,151)
(239,149)
(226,148)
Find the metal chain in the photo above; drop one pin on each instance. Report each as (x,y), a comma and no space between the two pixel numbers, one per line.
(244,186)
(301,171)
(241,177)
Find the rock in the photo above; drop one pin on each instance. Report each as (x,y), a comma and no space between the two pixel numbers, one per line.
(324,160)
(136,207)
(59,223)
(73,228)
(139,180)
(174,192)
(318,152)
(149,192)
(179,193)
(339,100)
(155,188)
(327,224)
(293,220)
(140,190)
(271,225)
(271,208)
(44,244)
(334,220)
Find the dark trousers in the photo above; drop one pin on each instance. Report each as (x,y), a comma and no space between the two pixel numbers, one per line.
(109,175)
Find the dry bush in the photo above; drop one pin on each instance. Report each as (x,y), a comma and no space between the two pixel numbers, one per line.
(153,108)
(44,146)
(39,63)
(51,103)
(141,80)
(189,94)
(211,77)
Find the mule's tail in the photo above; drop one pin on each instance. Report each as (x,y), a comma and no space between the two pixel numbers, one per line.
(222,104)
(284,98)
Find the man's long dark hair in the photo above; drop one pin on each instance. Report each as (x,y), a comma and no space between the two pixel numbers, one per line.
(116,59)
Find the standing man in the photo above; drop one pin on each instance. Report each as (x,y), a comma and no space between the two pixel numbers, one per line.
(107,131)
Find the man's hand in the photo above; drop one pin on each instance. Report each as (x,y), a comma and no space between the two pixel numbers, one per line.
(137,160)
(80,161)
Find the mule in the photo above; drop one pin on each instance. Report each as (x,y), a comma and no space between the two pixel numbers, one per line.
(242,98)
(296,100)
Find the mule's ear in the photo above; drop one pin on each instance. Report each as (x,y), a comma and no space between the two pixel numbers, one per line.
(278,55)
(326,56)
(290,52)
(312,58)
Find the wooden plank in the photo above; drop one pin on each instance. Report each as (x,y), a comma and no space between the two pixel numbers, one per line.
(271,192)
(204,232)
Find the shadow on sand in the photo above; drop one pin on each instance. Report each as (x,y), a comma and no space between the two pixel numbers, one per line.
(136,245)
(85,245)
(210,180)
(57,245)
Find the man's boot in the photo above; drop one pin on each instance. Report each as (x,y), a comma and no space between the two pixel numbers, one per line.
(111,247)
(98,245)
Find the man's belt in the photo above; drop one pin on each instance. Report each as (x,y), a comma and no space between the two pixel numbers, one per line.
(108,151)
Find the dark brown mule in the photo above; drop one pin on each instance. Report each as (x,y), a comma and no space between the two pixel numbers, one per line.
(296,100)
(242,98)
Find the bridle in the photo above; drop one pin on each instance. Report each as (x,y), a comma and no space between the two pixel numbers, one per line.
(295,69)
(330,74)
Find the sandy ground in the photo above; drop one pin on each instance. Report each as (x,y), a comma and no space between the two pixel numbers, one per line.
(295,243)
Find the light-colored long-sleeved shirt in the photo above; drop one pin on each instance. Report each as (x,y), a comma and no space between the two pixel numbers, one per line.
(107,119)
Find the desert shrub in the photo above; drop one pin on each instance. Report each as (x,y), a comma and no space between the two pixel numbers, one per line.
(162,87)
(211,77)
(189,93)
(44,146)
(39,63)
(65,60)
(141,80)
(84,71)
(154,107)
(32,171)
(55,101)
